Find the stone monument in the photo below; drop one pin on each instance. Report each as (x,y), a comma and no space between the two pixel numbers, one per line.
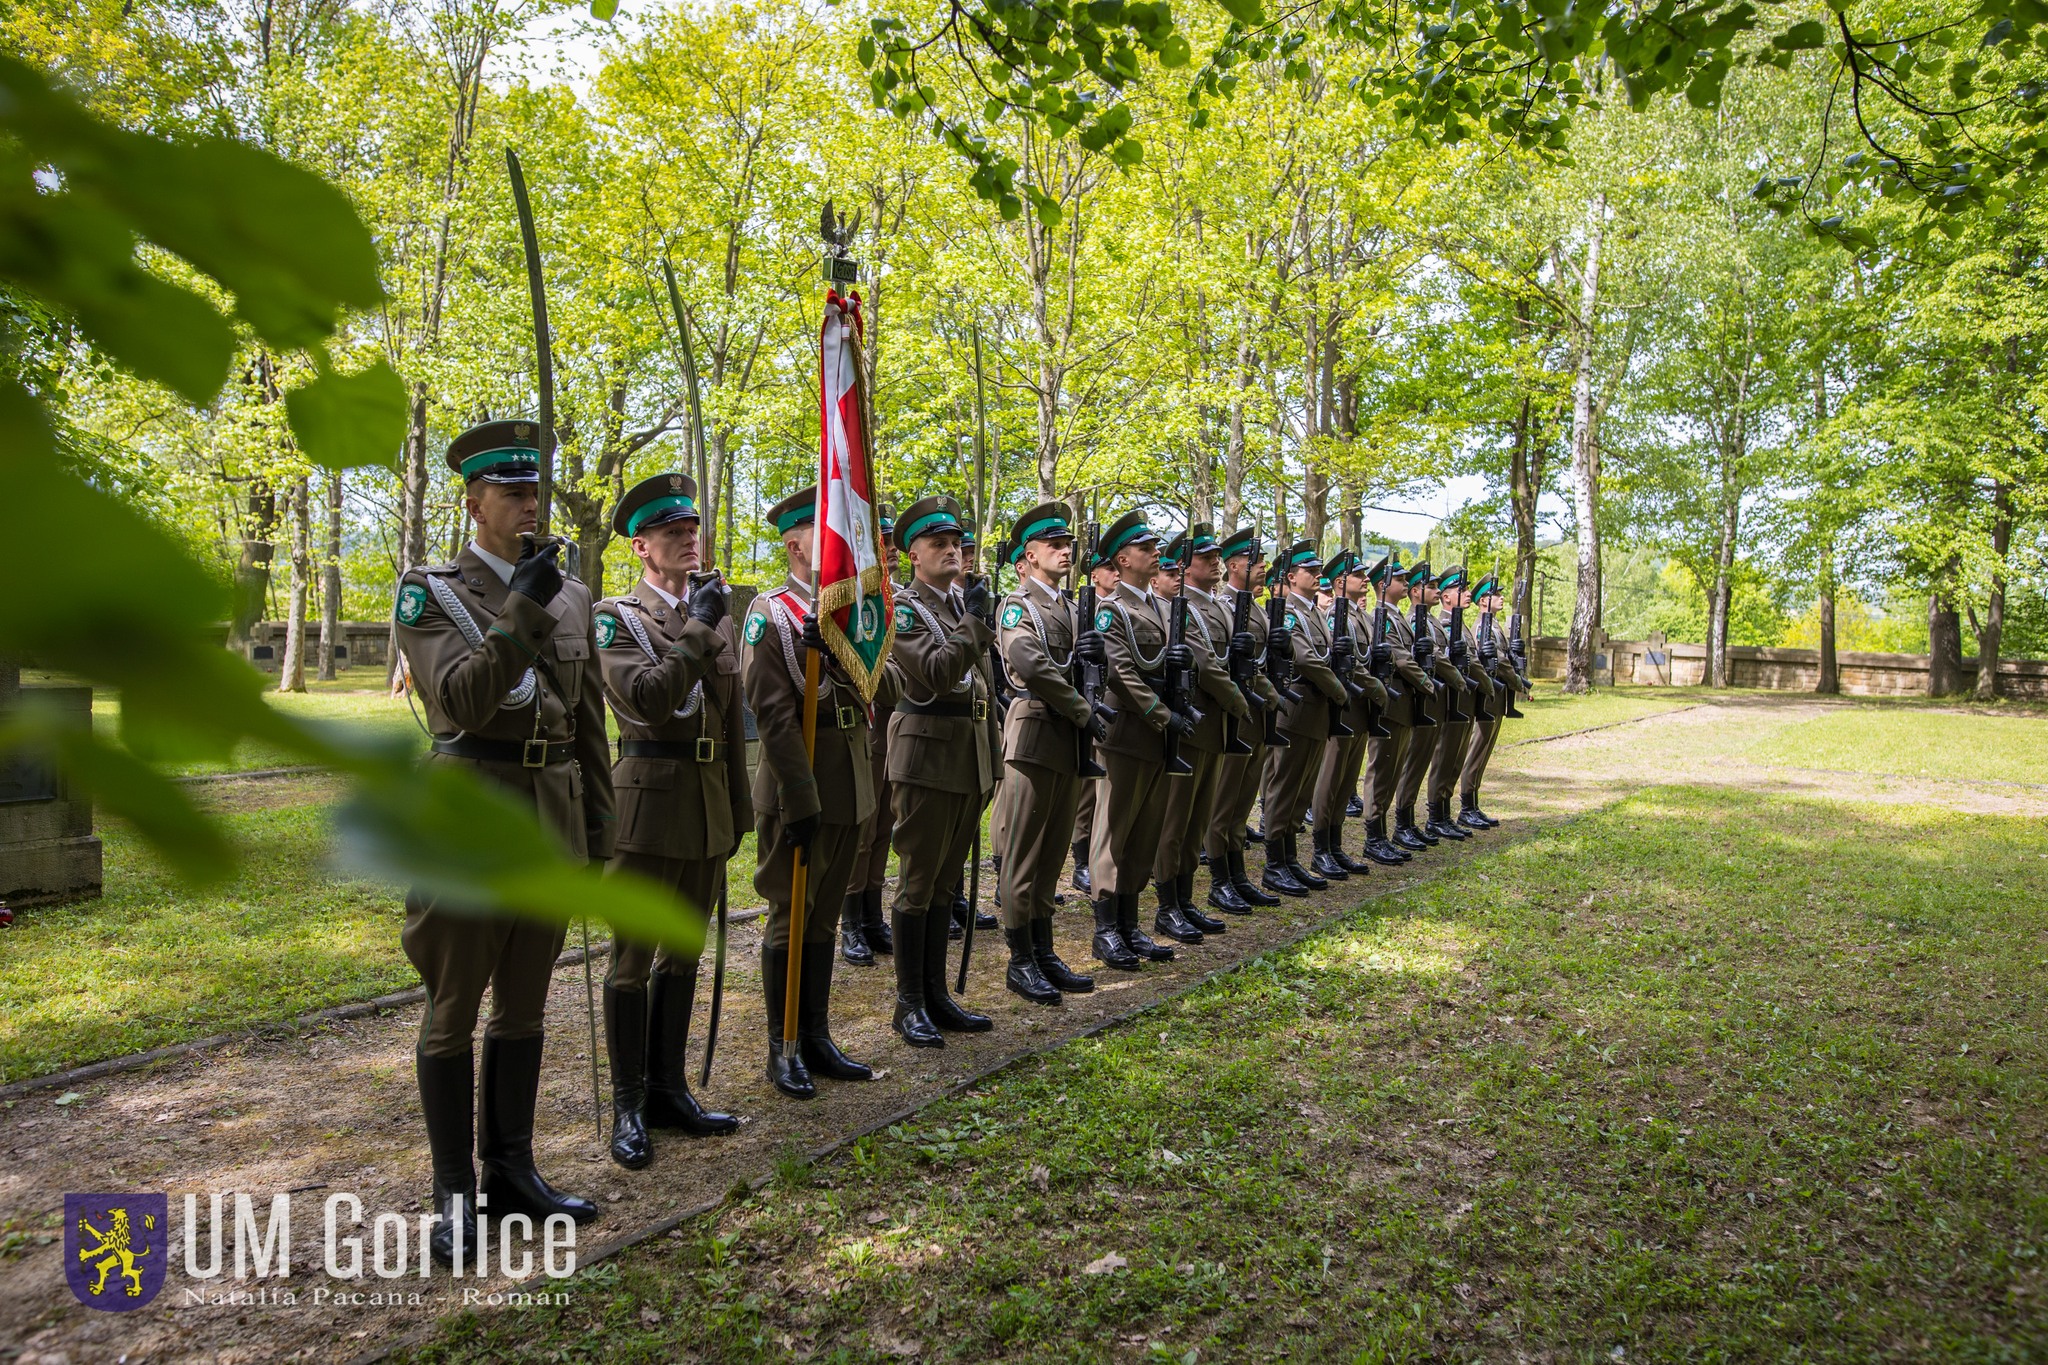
(48,852)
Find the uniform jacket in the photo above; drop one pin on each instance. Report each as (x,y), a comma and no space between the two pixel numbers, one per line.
(1401,643)
(838,784)
(941,662)
(1317,685)
(1208,635)
(1475,675)
(1035,629)
(1133,629)
(1372,692)
(1440,663)
(676,681)
(486,661)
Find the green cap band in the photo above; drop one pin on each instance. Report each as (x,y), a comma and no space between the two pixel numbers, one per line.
(1108,552)
(1050,528)
(491,459)
(795,517)
(654,509)
(930,521)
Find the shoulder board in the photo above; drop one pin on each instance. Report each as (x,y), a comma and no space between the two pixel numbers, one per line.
(448,570)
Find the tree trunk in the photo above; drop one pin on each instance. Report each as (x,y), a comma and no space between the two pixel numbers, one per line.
(1830,683)
(1991,630)
(1234,450)
(1586,464)
(291,672)
(330,582)
(1724,591)
(1944,646)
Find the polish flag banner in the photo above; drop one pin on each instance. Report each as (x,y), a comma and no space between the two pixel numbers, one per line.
(855,605)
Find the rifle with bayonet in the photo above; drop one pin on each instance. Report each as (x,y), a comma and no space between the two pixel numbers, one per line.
(1086,673)
(1279,663)
(1425,655)
(1340,663)
(1242,670)
(1462,661)
(1178,685)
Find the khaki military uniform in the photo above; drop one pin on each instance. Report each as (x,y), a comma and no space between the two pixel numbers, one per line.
(1457,739)
(1291,771)
(516,684)
(1344,756)
(1130,806)
(835,784)
(1422,750)
(1239,775)
(1191,801)
(1385,758)
(942,765)
(1480,750)
(681,775)
(1035,629)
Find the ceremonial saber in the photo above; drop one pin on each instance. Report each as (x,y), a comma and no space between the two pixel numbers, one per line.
(717,982)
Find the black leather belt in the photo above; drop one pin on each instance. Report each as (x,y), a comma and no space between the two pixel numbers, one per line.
(960,710)
(701,750)
(527,753)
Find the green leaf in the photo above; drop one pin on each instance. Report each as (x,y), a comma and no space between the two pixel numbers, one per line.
(605,10)
(1801,37)
(342,421)
(1250,13)
(866,51)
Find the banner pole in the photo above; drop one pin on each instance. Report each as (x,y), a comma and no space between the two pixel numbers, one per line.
(800,870)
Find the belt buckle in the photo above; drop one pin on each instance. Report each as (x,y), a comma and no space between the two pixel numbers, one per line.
(847,718)
(533,753)
(707,749)
(980,710)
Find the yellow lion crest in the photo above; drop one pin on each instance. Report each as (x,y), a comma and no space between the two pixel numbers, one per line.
(115,1248)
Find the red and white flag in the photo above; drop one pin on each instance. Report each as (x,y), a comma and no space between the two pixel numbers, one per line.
(854,600)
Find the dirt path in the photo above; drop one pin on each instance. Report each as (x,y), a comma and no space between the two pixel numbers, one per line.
(333,1109)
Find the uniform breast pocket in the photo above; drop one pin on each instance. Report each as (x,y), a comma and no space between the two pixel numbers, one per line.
(571,653)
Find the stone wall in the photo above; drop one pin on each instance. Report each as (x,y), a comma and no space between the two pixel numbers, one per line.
(1658,664)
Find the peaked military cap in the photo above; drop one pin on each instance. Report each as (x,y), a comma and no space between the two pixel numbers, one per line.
(967,538)
(1488,586)
(1175,555)
(1341,563)
(655,502)
(1452,577)
(798,509)
(1128,529)
(505,451)
(1201,538)
(1243,541)
(1418,572)
(1388,567)
(928,516)
(888,520)
(1047,521)
(1300,555)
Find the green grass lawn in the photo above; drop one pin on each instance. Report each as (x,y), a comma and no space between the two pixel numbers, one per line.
(1915,744)
(1552,712)
(1703,1076)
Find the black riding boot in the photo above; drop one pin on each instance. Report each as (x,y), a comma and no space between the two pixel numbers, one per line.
(1407,836)
(671,998)
(505,1137)
(1024,976)
(1470,815)
(1325,864)
(1191,912)
(822,1057)
(910,1020)
(1355,807)
(1057,974)
(1241,882)
(1080,878)
(853,939)
(1127,924)
(1169,921)
(1223,892)
(939,1006)
(1109,938)
(787,1074)
(625,1044)
(448,1100)
(1345,860)
(1294,867)
(874,925)
(1440,823)
(1278,875)
(1376,846)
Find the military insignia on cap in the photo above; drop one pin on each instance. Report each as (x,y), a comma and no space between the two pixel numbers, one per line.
(906,617)
(607,630)
(675,483)
(757,626)
(412,600)
(1012,614)
(1103,620)
(522,432)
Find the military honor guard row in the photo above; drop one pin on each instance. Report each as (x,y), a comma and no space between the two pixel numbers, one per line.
(1125,705)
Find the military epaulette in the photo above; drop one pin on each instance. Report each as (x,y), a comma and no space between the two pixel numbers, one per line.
(449,570)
